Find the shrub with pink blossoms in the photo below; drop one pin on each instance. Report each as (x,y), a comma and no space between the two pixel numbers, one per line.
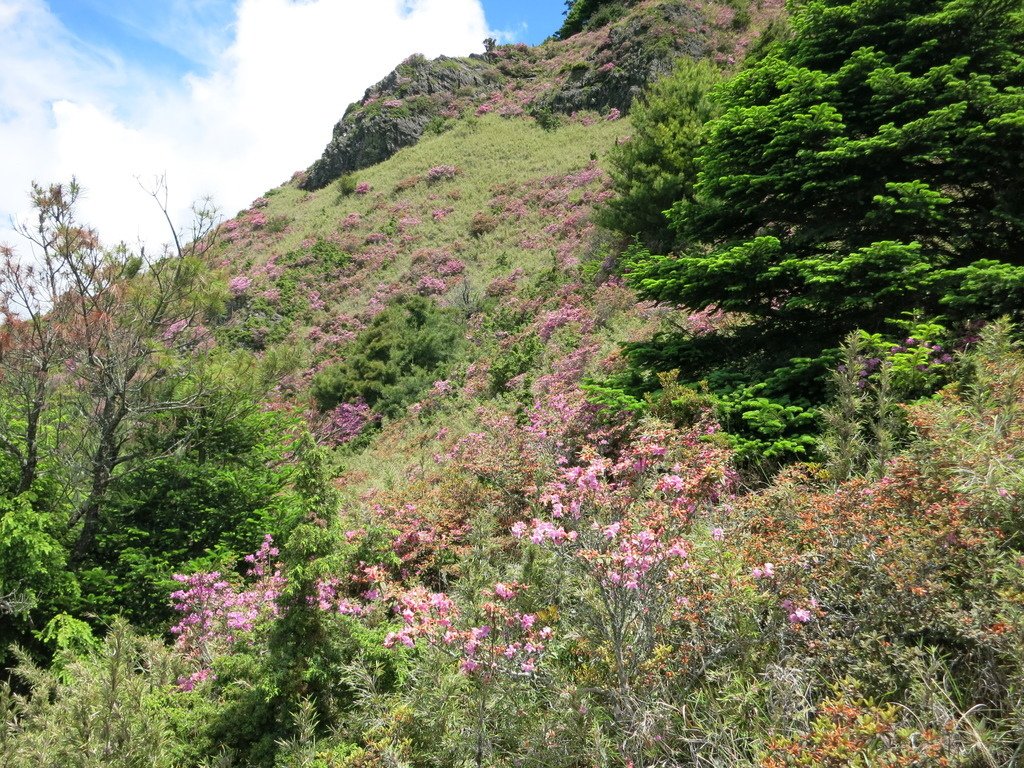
(450,267)
(618,526)
(430,286)
(217,612)
(344,424)
(500,640)
(442,173)
(239,285)
(171,332)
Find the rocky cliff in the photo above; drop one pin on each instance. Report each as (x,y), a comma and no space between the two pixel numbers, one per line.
(597,70)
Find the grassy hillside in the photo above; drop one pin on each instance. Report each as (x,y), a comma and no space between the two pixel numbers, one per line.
(393,487)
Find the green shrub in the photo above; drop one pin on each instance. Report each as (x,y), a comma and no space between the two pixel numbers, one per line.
(277,224)
(404,349)
(346,185)
(656,167)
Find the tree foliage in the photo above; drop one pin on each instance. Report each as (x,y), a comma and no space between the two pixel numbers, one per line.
(866,167)
(656,167)
(580,13)
(402,351)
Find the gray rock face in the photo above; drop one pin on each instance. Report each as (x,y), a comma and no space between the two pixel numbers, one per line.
(643,49)
(394,113)
(611,69)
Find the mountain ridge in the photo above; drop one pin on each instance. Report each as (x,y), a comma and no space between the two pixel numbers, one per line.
(595,69)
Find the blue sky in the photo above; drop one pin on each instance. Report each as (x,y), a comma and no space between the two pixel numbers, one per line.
(152,33)
(225,97)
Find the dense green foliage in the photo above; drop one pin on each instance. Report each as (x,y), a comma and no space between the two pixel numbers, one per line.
(214,487)
(581,13)
(865,168)
(862,174)
(404,349)
(656,167)
(783,529)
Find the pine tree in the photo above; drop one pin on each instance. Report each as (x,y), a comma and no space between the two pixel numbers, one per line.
(868,166)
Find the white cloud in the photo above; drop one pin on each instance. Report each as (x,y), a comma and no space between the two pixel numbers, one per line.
(264,108)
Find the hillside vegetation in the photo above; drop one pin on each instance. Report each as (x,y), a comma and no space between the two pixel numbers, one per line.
(652,397)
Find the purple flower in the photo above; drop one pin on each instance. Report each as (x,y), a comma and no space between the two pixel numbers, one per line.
(239,285)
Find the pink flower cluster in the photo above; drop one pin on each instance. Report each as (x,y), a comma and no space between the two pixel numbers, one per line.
(171,332)
(508,641)
(239,285)
(363,187)
(442,173)
(215,612)
(566,314)
(329,597)
(344,423)
(429,286)
(450,267)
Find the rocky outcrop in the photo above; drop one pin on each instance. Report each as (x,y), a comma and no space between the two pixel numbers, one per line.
(597,70)
(394,113)
(635,53)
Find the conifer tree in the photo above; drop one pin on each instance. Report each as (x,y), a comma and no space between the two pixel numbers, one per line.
(868,166)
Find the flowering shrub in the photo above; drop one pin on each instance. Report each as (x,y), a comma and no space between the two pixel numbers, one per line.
(363,187)
(429,286)
(505,641)
(239,285)
(216,612)
(450,267)
(442,173)
(482,223)
(344,423)
(315,302)
(171,332)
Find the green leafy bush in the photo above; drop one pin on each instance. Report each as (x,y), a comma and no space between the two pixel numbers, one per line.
(656,167)
(404,349)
